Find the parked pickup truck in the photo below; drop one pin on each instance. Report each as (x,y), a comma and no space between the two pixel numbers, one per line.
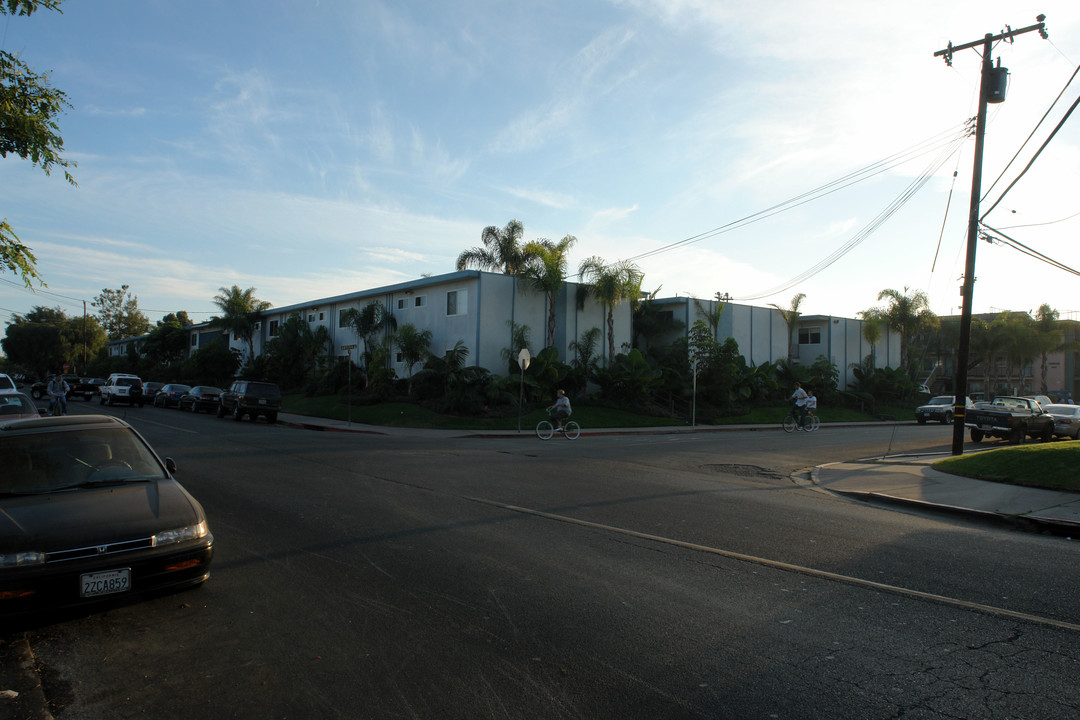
(1012,418)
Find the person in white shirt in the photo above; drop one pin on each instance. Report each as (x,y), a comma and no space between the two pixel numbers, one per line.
(798,403)
(811,403)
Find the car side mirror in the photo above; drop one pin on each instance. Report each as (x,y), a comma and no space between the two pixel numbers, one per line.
(170,465)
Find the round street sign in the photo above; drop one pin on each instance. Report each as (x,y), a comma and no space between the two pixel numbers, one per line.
(524,359)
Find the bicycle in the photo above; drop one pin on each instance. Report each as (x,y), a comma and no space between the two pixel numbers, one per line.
(810,424)
(545,429)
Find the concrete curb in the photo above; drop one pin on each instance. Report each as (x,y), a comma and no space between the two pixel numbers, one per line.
(21,695)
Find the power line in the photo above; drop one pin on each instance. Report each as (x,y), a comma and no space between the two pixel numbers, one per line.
(871,227)
(946,139)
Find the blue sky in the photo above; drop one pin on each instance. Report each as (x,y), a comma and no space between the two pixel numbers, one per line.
(314,148)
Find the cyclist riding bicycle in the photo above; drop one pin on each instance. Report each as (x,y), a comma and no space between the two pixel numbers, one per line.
(798,404)
(560,410)
(57,390)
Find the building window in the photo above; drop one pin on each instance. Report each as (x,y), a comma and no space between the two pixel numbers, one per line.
(402,303)
(194,340)
(273,328)
(810,336)
(341,318)
(311,317)
(320,317)
(420,301)
(456,302)
(400,358)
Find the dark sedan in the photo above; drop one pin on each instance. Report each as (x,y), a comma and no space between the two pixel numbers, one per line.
(150,391)
(88,512)
(170,395)
(200,397)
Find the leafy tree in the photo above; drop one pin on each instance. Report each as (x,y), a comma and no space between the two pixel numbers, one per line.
(294,354)
(909,314)
(584,349)
(46,338)
(29,109)
(166,344)
(368,322)
(413,345)
(37,347)
(519,340)
(791,317)
(502,250)
(610,285)
(651,324)
(629,379)
(118,311)
(545,270)
(213,364)
(240,312)
(180,317)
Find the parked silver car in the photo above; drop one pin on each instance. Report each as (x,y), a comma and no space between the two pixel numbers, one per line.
(939,409)
(1066,420)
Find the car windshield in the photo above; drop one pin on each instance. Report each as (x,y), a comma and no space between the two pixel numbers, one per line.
(942,400)
(62,460)
(16,404)
(6,383)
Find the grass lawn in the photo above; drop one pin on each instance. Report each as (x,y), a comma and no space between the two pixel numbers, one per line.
(1054,465)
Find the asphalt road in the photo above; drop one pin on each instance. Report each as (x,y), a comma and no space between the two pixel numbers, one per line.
(672,576)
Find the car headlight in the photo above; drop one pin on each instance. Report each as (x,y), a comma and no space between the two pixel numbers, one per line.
(21,559)
(191,532)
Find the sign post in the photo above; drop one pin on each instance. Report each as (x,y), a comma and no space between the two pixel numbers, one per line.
(349,349)
(523,362)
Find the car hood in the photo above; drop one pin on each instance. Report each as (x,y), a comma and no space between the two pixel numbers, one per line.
(85,517)
(934,407)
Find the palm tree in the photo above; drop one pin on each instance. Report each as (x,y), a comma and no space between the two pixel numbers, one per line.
(610,285)
(502,250)
(908,314)
(240,312)
(791,317)
(413,345)
(545,270)
(713,315)
(871,331)
(368,322)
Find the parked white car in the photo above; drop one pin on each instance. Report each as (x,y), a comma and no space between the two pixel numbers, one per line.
(123,388)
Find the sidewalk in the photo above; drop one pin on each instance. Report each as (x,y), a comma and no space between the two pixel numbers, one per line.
(897,479)
(910,480)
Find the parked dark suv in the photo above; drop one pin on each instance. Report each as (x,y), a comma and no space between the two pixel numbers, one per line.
(247,397)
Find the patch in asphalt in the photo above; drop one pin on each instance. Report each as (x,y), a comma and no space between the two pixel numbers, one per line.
(744,471)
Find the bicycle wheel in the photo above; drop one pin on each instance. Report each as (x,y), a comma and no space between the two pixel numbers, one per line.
(544,430)
(790,425)
(813,423)
(571,429)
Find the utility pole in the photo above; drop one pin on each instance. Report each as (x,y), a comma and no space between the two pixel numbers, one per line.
(991,90)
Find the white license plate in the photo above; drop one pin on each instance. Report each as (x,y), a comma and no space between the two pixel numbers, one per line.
(262,401)
(105,583)
(987,428)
